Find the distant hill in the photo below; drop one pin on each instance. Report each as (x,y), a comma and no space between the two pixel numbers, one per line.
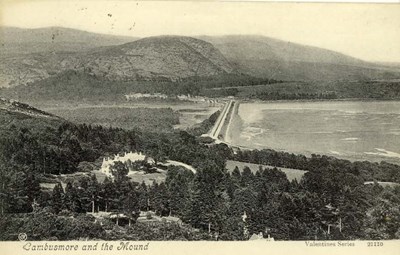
(169,57)
(26,68)
(29,55)
(267,57)
(68,85)
(166,57)
(389,64)
(53,39)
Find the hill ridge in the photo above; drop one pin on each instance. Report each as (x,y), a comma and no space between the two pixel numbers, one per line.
(265,57)
(11,105)
(175,57)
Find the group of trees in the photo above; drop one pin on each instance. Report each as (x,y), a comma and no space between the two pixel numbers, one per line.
(328,203)
(58,147)
(294,96)
(320,90)
(269,95)
(43,224)
(328,198)
(204,126)
(18,190)
(79,86)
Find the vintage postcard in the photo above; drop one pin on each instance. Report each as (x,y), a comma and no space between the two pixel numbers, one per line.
(206,127)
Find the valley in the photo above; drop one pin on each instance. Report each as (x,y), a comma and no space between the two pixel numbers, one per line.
(156,116)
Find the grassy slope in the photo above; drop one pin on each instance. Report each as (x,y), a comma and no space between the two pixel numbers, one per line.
(291,174)
(157,120)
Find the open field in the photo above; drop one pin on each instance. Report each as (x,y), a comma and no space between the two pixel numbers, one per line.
(150,116)
(162,119)
(291,174)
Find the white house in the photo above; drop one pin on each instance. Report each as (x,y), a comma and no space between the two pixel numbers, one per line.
(108,162)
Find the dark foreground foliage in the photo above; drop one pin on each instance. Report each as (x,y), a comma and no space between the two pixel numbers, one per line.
(332,194)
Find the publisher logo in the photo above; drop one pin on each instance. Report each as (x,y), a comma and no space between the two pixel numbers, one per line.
(22,237)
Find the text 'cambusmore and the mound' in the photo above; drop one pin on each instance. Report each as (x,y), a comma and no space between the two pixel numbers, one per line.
(106,246)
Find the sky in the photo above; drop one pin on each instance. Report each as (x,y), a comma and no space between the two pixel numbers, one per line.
(367,31)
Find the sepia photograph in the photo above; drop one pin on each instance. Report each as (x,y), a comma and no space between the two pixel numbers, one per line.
(252,122)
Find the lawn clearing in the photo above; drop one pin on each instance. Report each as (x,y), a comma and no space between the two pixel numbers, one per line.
(291,174)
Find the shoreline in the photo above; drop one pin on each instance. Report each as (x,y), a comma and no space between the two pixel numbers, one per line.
(352,158)
(251,100)
(236,131)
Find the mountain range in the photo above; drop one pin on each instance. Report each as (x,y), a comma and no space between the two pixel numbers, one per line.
(29,55)
(53,39)
(261,56)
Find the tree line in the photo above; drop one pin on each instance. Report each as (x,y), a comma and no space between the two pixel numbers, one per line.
(328,203)
(78,86)
(319,90)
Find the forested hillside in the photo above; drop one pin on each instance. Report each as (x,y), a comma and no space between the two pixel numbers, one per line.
(76,86)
